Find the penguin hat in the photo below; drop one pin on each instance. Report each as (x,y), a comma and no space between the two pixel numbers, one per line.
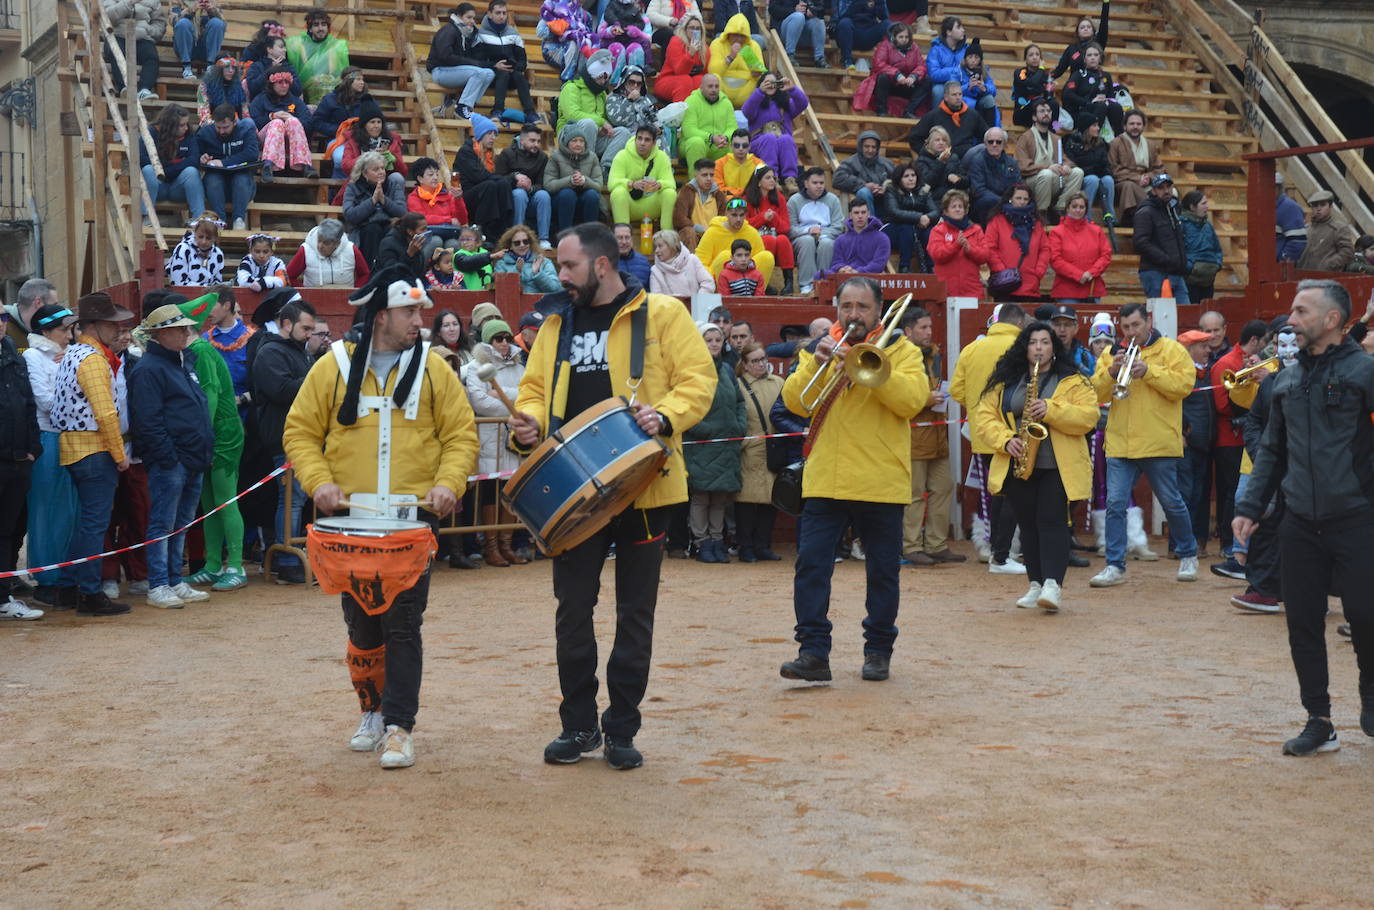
(389,288)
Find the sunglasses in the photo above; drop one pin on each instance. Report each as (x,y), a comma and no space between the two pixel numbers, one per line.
(994,142)
(519,243)
(503,337)
(739,145)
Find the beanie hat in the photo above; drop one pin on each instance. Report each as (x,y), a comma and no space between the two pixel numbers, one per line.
(481,126)
(494,327)
(974,47)
(484,311)
(368,109)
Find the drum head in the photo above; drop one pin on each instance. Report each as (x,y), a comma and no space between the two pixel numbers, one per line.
(366,527)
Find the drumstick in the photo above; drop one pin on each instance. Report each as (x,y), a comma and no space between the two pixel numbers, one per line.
(357,505)
(487,373)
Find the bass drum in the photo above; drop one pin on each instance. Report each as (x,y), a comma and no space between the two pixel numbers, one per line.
(583,475)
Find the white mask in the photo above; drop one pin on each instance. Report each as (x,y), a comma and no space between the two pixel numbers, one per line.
(1286,346)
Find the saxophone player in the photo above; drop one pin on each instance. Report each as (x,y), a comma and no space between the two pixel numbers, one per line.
(1035,412)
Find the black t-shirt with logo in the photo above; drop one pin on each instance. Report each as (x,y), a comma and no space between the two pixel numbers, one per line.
(589,359)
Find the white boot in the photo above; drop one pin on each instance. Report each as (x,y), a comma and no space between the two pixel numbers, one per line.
(923,26)
(979,538)
(1100,529)
(1137,543)
(1049,596)
(1031,597)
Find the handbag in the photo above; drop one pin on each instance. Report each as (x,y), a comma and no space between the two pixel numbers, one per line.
(787,488)
(774,450)
(1006,281)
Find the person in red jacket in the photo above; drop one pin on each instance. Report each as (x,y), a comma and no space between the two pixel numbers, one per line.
(958,247)
(739,277)
(1079,254)
(444,212)
(684,62)
(767,212)
(370,134)
(898,85)
(1016,240)
(1230,440)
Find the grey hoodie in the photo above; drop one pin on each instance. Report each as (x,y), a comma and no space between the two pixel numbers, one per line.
(857,170)
(558,173)
(804,211)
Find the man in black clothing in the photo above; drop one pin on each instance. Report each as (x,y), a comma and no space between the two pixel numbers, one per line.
(278,369)
(19,449)
(499,44)
(1318,453)
(1158,238)
(404,245)
(964,124)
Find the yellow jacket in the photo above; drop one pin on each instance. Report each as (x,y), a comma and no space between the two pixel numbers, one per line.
(731,176)
(438,447)
(679,377)
(1071,414)
(738,76)
(1148,423)
(718,238)
(974,369)
(863,450)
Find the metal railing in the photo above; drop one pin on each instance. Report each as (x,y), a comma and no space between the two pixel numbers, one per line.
(14,188)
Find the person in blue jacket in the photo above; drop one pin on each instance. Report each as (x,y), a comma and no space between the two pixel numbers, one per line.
(1201,245)
(275,58)
(169,418)
(945,62)
(339,105)
(228,142)
(1289,224)
(860,24)
(631,259)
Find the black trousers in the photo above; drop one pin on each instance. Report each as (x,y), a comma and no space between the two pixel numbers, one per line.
(1227,462)
(1001,519)
(399,629)
(1314,555)
(502,84)
(887,86)
(14,492)
(754,525)
(145,58)
(1040,502)
(678,531)
(1262,561)
(638,537)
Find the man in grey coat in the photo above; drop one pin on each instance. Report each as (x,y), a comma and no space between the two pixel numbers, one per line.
(864,174)
(817,219)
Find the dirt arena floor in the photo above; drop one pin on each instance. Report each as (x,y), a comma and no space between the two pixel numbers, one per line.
(1124,753)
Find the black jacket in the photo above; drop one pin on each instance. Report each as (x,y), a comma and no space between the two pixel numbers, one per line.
(515,160)
(1093,160)
(169,416)
(1318,445)
(900,207)
(394,250)
(935,174)
(962,136)
(18,413)
(1158,237)
(1199,416)
(278,370)
(451,48)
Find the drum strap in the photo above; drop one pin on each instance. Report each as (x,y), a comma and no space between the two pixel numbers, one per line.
(639,329)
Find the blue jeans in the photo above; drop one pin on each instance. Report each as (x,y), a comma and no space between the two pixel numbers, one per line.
(473,80)
(1237,545)
(865,37)
(797,26)
(1152,280)
(576,206)
(1195,488)
(190,46)
(241,188)
(185,187)
(864,194)
(297,503)
(173,493)
(1092,185)
(822,524)
(909,241)
(96,478)
(337,157)
(543,208)
(1122,473)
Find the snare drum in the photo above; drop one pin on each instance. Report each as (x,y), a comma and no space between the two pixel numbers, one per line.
(370,559)
(583,475)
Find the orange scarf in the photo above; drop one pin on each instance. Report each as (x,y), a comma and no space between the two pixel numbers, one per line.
(430,197)
(486,156)
(953,115)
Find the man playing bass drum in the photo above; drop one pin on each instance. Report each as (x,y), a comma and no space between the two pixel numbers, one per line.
(580,358)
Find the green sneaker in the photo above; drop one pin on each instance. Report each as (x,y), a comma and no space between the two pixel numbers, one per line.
(203,577)
(230,580)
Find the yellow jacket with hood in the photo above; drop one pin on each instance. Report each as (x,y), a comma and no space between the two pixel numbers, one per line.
(679,376)
(1149,422)
(739,76)
(1071,413)
(437,448)
(719,237)
(863,449)
(972,372)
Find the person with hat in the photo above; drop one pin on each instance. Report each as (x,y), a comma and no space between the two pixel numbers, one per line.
(370,134)
(1362,263)
(1064,320)
(319,57)
(497,348)
(487,194)
(52,502)
(20,446)
(424,447)
(1330,238)
(169,420)
(530,324)
(91,446)
(1158,240)
(582,111)
(714,248)
(565,376)
(285,119)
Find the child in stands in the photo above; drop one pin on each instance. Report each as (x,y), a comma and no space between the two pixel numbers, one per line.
(474,260)
(739,277)
(197,261)
(441,274)
(261,269)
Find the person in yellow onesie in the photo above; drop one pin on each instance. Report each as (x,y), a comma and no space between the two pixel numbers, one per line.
(338,444)
(714,247)
(858,471)
(1059,468)
(583,355)
(734,170)
(641,180)
(737,59)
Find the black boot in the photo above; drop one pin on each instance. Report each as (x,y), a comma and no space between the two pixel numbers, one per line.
(808,667)
(787,286)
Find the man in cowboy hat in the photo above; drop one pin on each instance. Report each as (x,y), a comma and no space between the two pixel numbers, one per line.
(422,448)
(91,445)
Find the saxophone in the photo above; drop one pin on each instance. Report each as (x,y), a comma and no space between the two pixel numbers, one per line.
(1030,432)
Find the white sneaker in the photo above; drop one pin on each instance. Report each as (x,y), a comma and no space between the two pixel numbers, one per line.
(187,72)
(145,93)
(805,290)
(399,749)
(1108,577)
(856,550)
(240,224)
(1010,567)
(165,598)
(1031,597)
(545,245)
(189,594)
(370,733)
(1049,596)
(862,66)
(1187,568)
(138,588)
(17,609)
(110,589)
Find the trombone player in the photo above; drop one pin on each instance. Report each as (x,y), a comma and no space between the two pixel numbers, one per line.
(1144,435)
(858,469)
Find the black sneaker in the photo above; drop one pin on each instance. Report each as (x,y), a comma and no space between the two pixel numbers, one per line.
(1367,719)
(1229,569)
(621,753)
(289,575)
(808,667)
(463,561)
(876,666)
(1343,630)
(1078,562)
(55,598)
(99,605)
(1318,736)
(569,746)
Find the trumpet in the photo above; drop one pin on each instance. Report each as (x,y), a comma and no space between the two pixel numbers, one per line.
(1232,378)
(824,372)
(866,363)
(1122,389)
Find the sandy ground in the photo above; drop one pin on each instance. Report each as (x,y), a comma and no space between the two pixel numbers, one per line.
(1124,753)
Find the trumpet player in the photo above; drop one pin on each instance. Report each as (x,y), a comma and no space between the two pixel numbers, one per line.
(1035,412)
(1230,442)
(858,469)
(1144,436)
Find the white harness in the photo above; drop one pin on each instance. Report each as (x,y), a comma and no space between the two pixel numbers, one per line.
(391,506)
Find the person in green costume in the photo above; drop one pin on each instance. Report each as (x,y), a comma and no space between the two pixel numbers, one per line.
(319,57)
(224,529)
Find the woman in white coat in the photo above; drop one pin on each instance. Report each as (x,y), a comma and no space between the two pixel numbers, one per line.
(677,270)
(497,347)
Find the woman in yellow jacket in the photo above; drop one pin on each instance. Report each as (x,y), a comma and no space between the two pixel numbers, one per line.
(1067,406)
(737,59)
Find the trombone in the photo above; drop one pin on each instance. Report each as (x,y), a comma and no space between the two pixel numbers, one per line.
(865,364)
(1122,389)
(1232,378)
